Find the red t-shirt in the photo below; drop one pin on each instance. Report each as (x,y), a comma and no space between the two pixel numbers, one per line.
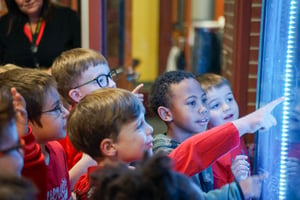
(53,179)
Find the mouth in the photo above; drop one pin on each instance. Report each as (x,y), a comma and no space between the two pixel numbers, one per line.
(202,121)
(228,117)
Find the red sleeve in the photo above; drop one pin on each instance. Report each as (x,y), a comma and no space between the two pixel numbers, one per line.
(201,150)
(34,168)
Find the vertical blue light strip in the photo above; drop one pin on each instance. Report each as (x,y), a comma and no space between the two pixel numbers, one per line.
(287,93)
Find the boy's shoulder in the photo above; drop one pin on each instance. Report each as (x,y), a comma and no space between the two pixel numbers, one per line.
(162,142)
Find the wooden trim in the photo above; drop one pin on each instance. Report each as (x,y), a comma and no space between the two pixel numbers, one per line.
(95,22)
(188,28)
(165,33)
(127,44)
(241,49)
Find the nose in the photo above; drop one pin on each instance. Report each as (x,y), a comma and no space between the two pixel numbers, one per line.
(225,107)
(149,129)
(203,110)
(111,83)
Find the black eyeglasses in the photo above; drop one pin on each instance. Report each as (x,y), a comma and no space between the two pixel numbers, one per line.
(58,107)
(102,79)
(18,146)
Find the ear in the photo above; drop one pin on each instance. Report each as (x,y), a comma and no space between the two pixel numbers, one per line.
(108,147)
(165,114)
(75,95)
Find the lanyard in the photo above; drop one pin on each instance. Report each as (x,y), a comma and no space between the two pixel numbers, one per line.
(34,45)
(35,38)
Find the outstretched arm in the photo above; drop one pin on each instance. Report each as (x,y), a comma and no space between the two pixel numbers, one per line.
(261,119)
(201,150)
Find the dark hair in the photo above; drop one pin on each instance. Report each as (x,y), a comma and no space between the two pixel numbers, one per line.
(160,93)
(17,19)
(32,84)
(152,179)
(7,113)
(16,188)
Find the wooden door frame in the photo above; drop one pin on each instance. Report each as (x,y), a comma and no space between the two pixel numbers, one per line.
(97,35)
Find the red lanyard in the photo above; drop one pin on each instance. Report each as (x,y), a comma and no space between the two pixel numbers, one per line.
(35,37)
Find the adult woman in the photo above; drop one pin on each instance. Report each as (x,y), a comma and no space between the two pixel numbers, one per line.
(34,32)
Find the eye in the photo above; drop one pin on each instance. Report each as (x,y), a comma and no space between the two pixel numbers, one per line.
(204,100)
(230,99)
(191,103)
(140,125)
(101,79)
(214,106)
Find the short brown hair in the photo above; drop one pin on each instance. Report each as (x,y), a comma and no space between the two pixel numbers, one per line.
(101,115)
(33,85)
(68,67)
(211,80)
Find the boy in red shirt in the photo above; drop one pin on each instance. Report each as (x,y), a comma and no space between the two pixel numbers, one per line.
(223,108)
(78,72)
(44,158)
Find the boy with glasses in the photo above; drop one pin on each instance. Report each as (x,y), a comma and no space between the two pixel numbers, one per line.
(45,161)
(78,72)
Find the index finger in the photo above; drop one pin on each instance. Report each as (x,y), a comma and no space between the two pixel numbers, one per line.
(270,106)
(137,88)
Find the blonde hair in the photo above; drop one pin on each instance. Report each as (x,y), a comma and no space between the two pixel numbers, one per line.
(69,66)
(211,80)
(8,67)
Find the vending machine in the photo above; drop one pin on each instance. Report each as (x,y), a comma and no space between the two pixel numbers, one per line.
(278,150)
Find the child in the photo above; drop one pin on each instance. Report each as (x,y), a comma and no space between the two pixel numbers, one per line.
(109,125)
(223,108)
(11,155)
(79,72)
(178,99)
(44,160)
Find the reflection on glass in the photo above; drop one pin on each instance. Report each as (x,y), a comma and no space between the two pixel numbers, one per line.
(278,152)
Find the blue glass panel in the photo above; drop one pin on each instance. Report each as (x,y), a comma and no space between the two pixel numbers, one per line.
(278,151)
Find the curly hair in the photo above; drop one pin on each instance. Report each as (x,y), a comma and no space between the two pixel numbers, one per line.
(160,93)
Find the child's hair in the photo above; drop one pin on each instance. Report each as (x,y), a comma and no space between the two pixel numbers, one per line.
(101,115)
(152,179)
(69,66)
(33,85)
(14,187)
(211,80)
(7,113)
(160,93)
(8,67)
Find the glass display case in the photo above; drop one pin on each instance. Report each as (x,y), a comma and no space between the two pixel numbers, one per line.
(278,151)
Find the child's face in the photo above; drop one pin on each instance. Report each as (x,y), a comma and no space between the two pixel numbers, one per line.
(90,74)
(188,108)
(11,154)
(53,119)
(222,106)
(134,139)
